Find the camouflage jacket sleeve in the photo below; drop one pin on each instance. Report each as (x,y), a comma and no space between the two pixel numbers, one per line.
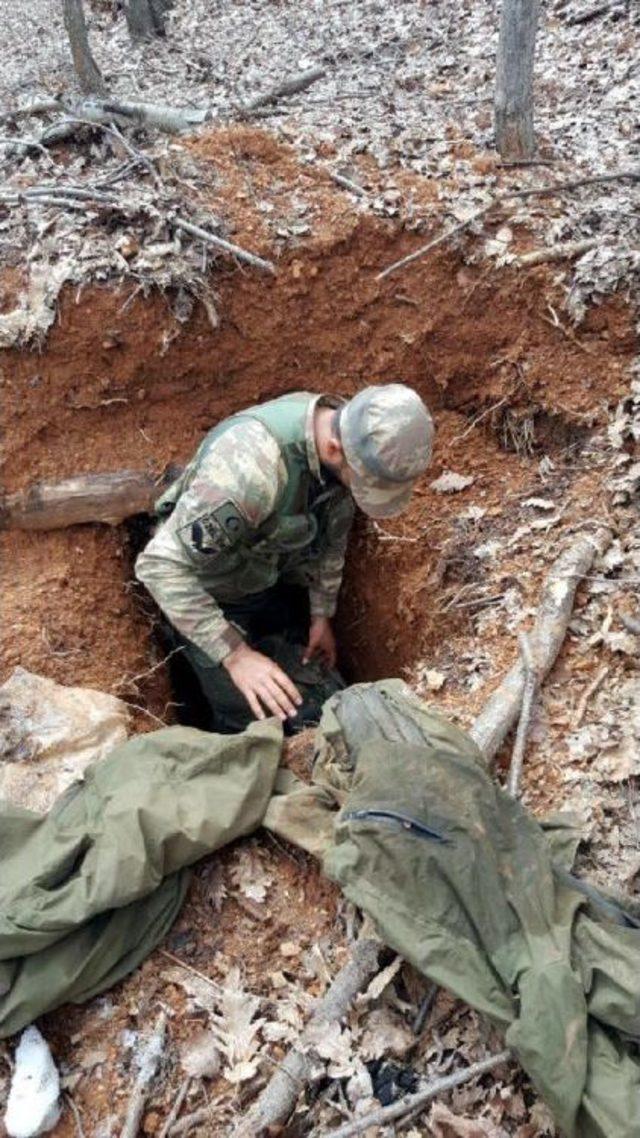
(243,467)
(323,594)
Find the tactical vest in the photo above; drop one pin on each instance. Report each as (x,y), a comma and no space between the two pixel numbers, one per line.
(308,516)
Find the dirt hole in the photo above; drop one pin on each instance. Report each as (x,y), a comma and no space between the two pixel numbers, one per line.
(121,383)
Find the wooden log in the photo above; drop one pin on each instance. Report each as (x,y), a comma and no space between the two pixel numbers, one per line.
(561,251)
(291,86)
(106,498)
(500,712)
(514,79)
(276,1102)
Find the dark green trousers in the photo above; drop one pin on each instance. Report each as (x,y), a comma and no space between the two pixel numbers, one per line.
(274,622)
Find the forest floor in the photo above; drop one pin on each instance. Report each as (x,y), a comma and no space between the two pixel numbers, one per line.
(124,343)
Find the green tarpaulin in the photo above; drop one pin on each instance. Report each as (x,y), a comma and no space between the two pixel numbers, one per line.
(456,875)
(89,890)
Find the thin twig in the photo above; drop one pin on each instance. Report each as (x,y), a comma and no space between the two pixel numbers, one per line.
(145,711)
(474,422)
(528,697)
(124,683)
(226,246)
(437,241)
(41,108)
(556,322)
(189,968)
(76,1115)
(149,1063)
(588,15)
(79,193)
(175,1109)
(277,1100)
(588,693)
(387,1114)
(537,191)
(112,129)
(203,1114)
(426,1005)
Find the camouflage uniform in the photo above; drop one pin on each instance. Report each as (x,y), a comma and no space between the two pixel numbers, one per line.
(252,508)
(254,511)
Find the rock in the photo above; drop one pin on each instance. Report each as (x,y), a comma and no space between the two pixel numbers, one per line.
(33,1106)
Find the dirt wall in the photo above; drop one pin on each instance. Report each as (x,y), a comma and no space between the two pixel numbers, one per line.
(122,382)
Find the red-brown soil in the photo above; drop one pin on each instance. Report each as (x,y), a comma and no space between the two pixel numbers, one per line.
(121,383)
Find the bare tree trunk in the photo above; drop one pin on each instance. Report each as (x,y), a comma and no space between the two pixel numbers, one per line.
(87,70)
(514,79)
(146,18)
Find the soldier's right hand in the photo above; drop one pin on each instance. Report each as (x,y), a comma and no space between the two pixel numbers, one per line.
(266,688)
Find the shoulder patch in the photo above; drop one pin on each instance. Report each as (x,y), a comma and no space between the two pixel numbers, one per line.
(215,531)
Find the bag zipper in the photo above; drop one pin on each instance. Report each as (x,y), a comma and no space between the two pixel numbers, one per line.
(407,823)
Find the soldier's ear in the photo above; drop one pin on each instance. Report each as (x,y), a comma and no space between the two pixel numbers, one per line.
(335,453)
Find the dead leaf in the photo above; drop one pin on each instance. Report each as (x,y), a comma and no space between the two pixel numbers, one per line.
(386,1033)
(443,1123)
(203,994)
(451,483)
(379,982)
(236,1028)
(334,1046)
(250,877)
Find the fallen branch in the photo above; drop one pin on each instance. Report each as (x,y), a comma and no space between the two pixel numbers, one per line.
(562,251)
(587,694)
(590,14)
(41,108)
(417,1101)
(226,246)
(97,112)
(347,184)
(501,199)
(290,86)
(26,143)
(175,1109)
(524,723)
(106,498)
(112,130)
(149,1063)
(278,1099)
(501,710)
(437,241)
(70,197)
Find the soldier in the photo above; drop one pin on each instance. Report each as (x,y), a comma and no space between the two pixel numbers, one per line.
(247,562)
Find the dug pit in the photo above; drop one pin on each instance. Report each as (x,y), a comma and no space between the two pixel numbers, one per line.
(123,381)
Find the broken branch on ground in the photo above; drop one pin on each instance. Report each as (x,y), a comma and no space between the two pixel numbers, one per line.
(277,1101)
(501,710)
(503,199)
(524,723)
(415,1102)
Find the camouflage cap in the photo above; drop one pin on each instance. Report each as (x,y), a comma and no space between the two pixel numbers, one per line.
(387,436)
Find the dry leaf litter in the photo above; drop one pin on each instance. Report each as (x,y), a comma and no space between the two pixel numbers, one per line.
(407,94)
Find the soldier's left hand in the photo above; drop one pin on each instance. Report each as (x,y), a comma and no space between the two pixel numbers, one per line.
(322,642)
